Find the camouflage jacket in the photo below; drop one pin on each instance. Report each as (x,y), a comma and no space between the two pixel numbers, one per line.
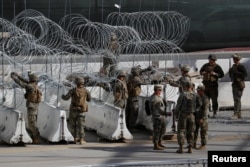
(188,102)
(30,88)
(157,106)
(79,98)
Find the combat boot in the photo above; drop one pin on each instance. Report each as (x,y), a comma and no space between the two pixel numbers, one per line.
(36,140)
(161,145)
(189,149)
(202,147)
(76,140)
(180,150)
(214,114)
(82,141)
(239,115)
(194,146)
(157,147)
(234,116)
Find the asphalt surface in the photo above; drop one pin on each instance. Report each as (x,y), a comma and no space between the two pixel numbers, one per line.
(223,135)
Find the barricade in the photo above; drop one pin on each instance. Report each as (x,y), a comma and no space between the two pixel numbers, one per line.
(12,127)
(51,121)
(108,121)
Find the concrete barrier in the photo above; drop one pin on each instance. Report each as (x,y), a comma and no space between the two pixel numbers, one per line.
(12,127)
(51,121)
(108,120)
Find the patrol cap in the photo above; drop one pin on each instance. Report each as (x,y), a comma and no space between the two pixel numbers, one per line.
(33,77)
(236,56)
(79,80)
(212,57)
(200,87)
(185,67)
(157,87)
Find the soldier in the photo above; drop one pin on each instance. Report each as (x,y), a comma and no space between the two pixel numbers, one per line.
(237,74)
(185,108)
(157,107)
(211,72)
(184,78)
(33,98)
(134,90)
(78,106)
(119,88)
(110,58)
(201,118)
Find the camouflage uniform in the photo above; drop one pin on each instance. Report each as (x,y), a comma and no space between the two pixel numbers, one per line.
(185,108)
(211,73)
(237,74)
(110,59)
(184,78)
(79,97)
(134,90)
(157,107)
(201,119)
(31,103)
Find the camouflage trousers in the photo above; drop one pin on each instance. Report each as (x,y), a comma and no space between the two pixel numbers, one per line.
(237,93)
(132,111)
(76,124)
(212,93)
(159,128)
(185,128)
(203,128)
(32,121)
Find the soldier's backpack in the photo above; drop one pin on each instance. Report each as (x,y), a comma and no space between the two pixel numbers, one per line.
(189,101)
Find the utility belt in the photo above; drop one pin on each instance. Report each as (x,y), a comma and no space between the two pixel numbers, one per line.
(77,109)
(187,113)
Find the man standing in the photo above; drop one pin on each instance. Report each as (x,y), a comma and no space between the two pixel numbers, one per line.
(119,88)
(78,106)
(110,58)
(184,77)
(33,98)
(157,107)
(134,90)
(201,118)
(211,72)
(237,74)
(186,105)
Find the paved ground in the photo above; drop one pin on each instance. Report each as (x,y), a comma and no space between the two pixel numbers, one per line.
(224,135)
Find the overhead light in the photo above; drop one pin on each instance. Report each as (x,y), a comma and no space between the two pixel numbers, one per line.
(117,6)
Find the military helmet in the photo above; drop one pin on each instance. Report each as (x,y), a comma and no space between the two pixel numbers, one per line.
(33,77)
(79,80)
(188,84)
(236,56)
(200,87)
(135,70)
(212,57)
(185,67)
(121,74)
(113,36)
(157,87)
